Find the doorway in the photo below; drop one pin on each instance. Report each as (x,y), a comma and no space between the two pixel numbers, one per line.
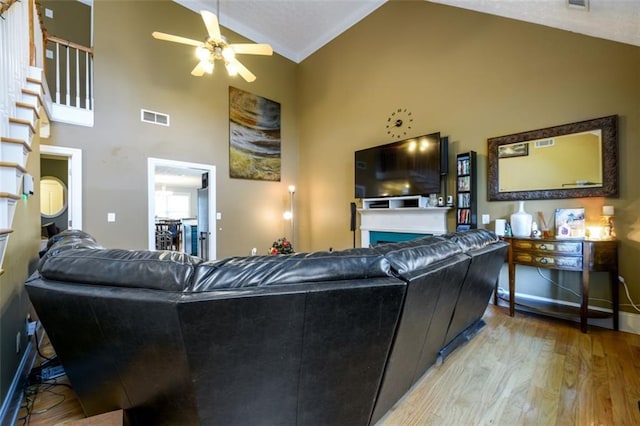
(183,195)
(69,160)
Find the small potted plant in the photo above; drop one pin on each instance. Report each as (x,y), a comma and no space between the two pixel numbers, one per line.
(281,246)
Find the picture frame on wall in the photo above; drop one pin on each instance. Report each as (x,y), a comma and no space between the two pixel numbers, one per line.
(570,223)
(254,136)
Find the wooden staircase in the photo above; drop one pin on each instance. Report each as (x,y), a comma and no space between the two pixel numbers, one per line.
(15,147)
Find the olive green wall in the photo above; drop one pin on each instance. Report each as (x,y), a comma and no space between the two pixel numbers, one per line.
(134,71)
(71,20)
(19,262)
(470,76)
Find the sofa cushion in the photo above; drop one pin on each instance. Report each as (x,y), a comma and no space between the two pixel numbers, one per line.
(472,239)
(70,243)
(69,235)
(258,271)
(159,270)
(412,255)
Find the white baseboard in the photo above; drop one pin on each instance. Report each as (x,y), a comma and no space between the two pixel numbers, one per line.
(628,321)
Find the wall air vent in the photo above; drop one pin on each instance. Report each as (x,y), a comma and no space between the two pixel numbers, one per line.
(578,4)
(544,143)
(154,117)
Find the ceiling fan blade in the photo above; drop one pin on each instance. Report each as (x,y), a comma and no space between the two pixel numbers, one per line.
(243,71)
(176,39)
(252,49)
(211,22)
(198,71)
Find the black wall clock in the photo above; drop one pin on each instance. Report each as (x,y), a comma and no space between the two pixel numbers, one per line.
(399,123)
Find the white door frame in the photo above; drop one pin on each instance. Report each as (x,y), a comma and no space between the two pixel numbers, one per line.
(74,190)
(151,168)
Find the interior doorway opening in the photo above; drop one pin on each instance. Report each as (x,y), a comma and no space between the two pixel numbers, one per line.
(63,164)
(182,205)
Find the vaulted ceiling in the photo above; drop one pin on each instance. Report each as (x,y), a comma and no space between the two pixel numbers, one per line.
(297,28)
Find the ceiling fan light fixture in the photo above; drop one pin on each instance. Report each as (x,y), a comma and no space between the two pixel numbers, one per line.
(228,53)
(202,53)
(216,47)
(232,69)
(207,66)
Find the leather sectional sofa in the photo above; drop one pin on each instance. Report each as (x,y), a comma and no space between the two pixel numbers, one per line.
(323,338)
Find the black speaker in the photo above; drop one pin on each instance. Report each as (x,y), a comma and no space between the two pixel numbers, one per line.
(444,155)
(353,216)
(205,180)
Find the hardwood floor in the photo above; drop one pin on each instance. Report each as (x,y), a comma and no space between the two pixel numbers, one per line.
(49,404)
(530,370)
(526,370)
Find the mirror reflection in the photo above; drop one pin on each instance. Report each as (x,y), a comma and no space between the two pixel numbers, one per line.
(570,161)
(567,161)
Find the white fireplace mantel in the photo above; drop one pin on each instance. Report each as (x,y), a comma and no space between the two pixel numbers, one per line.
(402,215)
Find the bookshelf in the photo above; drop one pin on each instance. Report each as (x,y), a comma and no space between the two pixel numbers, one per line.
(466,191)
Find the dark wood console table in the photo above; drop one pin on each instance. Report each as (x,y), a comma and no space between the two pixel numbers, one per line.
(584,256)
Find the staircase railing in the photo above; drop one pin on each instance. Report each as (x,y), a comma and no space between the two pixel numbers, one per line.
(21,96)
(71,81)
(15,45)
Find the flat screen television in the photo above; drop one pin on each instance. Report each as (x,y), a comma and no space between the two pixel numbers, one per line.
(406,167)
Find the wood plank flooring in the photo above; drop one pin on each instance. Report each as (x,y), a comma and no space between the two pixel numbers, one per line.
(530,370)
(526,370)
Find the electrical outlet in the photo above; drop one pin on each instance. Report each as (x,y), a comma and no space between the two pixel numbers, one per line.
(254,251)
(31,328)
(486,219)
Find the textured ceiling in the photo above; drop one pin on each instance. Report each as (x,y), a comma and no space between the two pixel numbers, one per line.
(294,28)
(617,20)
(297,28)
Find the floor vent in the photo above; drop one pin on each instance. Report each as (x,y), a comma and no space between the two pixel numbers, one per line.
(578,4)
(154,117)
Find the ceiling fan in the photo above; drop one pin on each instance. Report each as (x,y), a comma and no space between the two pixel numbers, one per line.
(215,47)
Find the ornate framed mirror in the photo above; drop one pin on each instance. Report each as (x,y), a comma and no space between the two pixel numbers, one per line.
(568,161)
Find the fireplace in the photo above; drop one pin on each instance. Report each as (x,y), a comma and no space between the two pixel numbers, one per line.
(379,237)
(399,219)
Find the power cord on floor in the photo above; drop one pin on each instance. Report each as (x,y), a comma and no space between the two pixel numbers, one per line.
(35,337)
(561,287)
(41,379)
(626,290)
(30,393)
(620,278)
